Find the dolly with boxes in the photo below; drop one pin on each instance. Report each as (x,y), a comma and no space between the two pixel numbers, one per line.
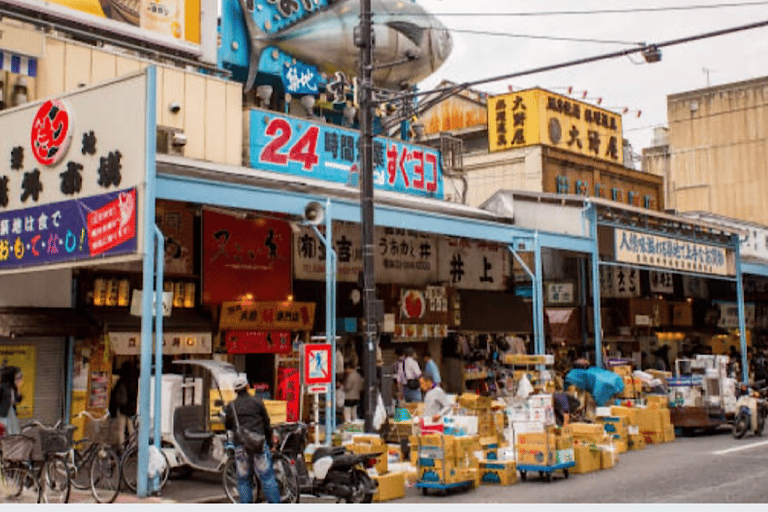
(446,462)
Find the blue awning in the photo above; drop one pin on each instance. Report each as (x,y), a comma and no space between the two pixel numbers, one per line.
(18,64)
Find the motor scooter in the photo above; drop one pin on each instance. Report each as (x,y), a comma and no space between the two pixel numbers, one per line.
(751,411)
(336,472)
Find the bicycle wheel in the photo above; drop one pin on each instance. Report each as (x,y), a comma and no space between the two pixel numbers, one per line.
(129,464)
(229,481)
(54,481)
(18,485)
(80,469)
(287,479)
(105,475)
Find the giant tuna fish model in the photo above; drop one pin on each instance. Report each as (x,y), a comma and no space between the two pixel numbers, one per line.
(404,32)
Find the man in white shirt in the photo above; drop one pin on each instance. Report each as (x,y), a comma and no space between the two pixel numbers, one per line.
(436,404)
(408,373)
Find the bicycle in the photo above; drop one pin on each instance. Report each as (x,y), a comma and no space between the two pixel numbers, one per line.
(48,459)
(93,462)
(129,460)
(285,475)
(18,483)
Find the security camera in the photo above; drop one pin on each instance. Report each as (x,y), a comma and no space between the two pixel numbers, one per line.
(179,139)
(174,107)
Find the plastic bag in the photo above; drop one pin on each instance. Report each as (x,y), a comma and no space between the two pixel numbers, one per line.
(380,414)
(156,464)
(524,387)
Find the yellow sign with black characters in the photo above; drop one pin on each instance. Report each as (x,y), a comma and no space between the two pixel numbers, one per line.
(537,116)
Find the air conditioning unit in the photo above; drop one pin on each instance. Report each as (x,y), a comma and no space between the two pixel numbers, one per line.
(171,141)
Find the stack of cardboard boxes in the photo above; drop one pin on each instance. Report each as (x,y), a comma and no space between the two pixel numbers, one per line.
(633,386)
(480,406)
(446,459)
(593,447)
(634,440)
(655,425)
(391,484)
(618,428)
(549,448)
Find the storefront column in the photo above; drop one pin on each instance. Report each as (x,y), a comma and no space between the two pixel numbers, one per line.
(159,278)
(740,302)
(597,320)
(147,291)
(538,297)
(524,244)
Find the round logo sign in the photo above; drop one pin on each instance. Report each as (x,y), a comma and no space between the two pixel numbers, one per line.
(51,132)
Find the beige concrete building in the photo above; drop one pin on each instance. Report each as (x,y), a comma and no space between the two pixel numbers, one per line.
(714,157)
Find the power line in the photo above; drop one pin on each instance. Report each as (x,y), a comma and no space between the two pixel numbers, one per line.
(630,10)
(549,38)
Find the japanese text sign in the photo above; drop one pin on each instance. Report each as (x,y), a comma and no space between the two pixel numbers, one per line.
(473,265)
(671,253)
(243,257)
(268,316)
(537,116)
(75,230)
(258,342)
(317,363)
(302,147)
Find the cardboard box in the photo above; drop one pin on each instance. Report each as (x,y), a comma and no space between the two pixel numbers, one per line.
(447,475)
(669,434)
(630,413)
(653,437)
(391,486)
(382,460)
(367,439)
(636,442)
(498,472)
(657,401)
(587,429)
(665,419)
(474,402)
(620,446)
(623,370)
(535,454)
(587,459)
(566,455)
(649,420)
(563,443)
(544,439)
(394,453)
(607,459)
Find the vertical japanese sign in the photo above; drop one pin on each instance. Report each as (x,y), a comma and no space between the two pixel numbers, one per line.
(537,116)
(175,220)
(661,282)
(245,258)
(473,264)
(301,147)
(68,180)
(619,281)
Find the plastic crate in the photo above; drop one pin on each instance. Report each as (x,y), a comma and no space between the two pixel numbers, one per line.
(17,448)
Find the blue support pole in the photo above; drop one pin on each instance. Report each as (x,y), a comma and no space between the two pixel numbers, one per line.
(596,288)
(533,280)
(158,402)
(147,281)
(538,297)
(740,302)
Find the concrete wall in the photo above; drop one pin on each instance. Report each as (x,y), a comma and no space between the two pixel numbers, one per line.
(718,141)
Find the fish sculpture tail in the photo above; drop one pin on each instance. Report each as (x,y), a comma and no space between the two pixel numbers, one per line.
(256,36)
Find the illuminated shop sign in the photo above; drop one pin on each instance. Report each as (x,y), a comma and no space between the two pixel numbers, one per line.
(537,116)
(671,253)
(302,147)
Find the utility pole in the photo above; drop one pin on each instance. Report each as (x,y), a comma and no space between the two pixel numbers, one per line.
(364,40)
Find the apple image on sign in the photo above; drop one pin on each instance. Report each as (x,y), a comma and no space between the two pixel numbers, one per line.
(414,304)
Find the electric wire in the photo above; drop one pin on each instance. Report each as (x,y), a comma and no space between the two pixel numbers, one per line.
(549,38)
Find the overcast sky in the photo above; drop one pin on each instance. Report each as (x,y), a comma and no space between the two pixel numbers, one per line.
(620,82)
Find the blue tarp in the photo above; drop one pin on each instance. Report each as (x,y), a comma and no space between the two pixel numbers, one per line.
(601,384)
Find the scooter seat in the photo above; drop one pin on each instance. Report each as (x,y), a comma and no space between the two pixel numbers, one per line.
(197,435)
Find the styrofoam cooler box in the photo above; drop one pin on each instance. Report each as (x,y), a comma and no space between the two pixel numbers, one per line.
(465,424)
(173,393)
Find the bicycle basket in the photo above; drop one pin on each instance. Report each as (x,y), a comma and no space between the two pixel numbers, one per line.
(103,431)
(56,440)
(17,448)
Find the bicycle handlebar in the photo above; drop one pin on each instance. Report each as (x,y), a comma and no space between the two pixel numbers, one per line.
(92,416)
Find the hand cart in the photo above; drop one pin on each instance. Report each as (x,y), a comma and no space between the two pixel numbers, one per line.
(433,460)
(544,471)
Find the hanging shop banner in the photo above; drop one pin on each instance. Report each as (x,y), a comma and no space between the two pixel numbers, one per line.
(289,391)
(671,253)
(159,21)
(258,342)
(537,116)
(560,293)
(174,343)
(75,230)
(401,256)
(245,258)
(729,314)
(268,316)
(25,358)
(661,282)
(619,281)
(472,264)
(176,221)
(69,180)
(285,144)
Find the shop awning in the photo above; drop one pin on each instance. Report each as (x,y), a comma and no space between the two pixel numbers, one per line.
(53,322)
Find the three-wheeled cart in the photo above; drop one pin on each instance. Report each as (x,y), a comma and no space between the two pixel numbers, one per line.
(544,471)
(432,466)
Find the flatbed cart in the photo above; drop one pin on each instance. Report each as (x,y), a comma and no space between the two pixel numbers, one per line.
(545,472)
(436,478)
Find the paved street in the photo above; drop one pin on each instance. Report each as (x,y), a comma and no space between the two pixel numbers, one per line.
(703,469)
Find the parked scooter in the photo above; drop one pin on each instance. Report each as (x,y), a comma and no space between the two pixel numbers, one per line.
(752,410)
(337,472)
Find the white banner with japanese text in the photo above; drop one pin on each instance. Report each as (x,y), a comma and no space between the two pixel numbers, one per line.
(619,281)
(671,253)
(661,282)
(472,264)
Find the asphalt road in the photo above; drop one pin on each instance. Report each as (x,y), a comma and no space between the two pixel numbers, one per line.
(703,469)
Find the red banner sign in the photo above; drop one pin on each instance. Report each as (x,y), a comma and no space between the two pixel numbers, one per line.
(113,223)
(245,258)
(258,342)
(288,389)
